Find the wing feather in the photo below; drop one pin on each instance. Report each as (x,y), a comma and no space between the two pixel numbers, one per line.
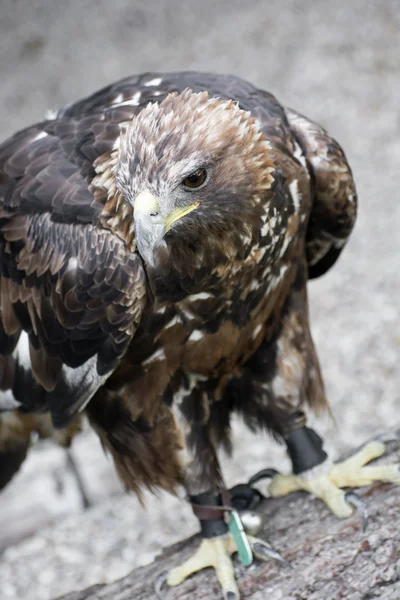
(335,198)
(72,291)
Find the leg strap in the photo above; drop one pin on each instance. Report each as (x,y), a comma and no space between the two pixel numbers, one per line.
(210,511)
(304,445)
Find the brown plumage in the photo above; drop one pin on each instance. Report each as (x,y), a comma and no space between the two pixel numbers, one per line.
(162,323)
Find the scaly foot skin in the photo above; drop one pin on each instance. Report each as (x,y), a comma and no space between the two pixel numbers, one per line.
(213,552)
(352,472)
(216,552)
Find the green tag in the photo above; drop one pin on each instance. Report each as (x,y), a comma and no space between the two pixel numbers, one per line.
(240,539)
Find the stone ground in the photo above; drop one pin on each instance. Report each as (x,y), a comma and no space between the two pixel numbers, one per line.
(336,62)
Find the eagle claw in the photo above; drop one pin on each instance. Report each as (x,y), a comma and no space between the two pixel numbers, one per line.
(360,506)
(267,473)
(244,496)
(159,583)
(264,551)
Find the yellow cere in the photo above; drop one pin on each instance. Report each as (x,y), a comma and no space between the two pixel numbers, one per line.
(178,213)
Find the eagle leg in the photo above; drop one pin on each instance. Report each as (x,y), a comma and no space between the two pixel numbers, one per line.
(315,474)
(216,552)
(216,549)
(213,552)
(325,481)
(221,528)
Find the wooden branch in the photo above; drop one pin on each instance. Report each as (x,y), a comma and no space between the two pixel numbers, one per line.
(331,558)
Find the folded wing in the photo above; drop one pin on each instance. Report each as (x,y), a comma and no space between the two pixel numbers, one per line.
(335,199)
(72,290)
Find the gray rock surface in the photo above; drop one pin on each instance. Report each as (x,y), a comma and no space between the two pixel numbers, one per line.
(338,63)
(330,559)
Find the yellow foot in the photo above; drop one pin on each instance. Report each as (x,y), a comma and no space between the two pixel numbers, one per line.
(349,473)
(216,552)
(213,552)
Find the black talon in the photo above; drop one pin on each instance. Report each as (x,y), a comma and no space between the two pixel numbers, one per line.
(159,584)
(387,437)
(231,596)
(264,550)
(361,507)
(263,474)
(244,497)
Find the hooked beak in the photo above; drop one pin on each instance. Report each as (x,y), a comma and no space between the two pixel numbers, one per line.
(151,226)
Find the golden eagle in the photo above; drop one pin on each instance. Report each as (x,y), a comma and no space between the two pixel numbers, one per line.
(156,240)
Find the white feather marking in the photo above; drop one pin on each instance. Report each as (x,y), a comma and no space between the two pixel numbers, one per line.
(155,81)
(199,296)
(134,101)
(39,136)
(319,160)
(256,331)
(72,263)
(282,271)
(157,355)
(195,378)
(172,322)
(7,402)
(51,114)
(275,280)
(256,254)
(280,386)
(187,315)
(264,229)
(21,352)
(273,221)
(115,222)
(117,143)
(254,285)
(246,238)
(298,153)
(126,210)
(296,196)
(285,245)
(195,336)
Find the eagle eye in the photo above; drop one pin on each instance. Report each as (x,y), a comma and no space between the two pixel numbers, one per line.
(195,179)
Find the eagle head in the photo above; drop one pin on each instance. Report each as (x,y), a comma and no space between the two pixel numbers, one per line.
(194,169)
